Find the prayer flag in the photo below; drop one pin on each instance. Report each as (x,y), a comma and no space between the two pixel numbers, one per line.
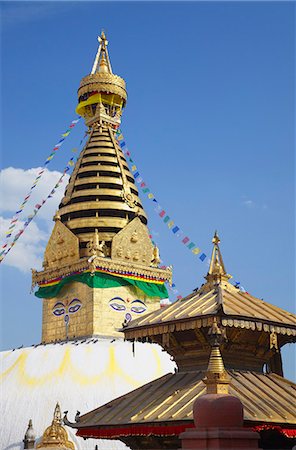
(150,195)
(185,240)
(170,224)
(162,213)
(191,245)
(196,251)
(134,168)
(202,257)
(122,144)
(175,229)
(145,190)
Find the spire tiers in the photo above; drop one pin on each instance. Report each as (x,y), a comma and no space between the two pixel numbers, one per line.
(101,196)
(217,272)
(102,95)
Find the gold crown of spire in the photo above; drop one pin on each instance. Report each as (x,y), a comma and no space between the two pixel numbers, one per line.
(101,95)
(102,61)
(217,271)
(56,436)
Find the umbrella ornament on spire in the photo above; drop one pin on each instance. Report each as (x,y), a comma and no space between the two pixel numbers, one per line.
(102,95)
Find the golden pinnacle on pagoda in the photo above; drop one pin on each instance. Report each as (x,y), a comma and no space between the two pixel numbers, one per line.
(217,271)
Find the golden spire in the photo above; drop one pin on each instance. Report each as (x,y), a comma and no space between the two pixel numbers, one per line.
(217,271)
(56,436)
(102,60)
(217,379)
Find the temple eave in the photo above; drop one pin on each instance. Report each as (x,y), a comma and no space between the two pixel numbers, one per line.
(110,266)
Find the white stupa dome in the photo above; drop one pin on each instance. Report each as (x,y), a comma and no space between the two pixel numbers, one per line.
(80,375)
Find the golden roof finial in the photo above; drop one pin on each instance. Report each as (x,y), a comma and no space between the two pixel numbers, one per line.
(102,62)
(56,436)
(217,271)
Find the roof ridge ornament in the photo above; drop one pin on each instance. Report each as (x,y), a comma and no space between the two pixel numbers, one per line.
(102,61)
(217,271)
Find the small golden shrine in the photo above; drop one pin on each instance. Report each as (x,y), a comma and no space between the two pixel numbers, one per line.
(55,436)
(216,319)
(100,268)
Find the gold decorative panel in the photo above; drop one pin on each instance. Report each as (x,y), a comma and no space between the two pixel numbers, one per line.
(133,244)
(62,247)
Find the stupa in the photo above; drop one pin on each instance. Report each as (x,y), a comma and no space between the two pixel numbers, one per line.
(252,334)
(100,270)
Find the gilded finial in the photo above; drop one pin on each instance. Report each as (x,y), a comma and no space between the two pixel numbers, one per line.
(216,239)
(217,271)
(102,62)
(56,436)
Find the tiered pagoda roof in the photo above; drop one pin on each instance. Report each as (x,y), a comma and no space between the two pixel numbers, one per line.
(253,332)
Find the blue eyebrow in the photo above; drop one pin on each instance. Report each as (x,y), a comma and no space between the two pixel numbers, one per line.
(117,298)
(74,300)
(59,304)
(139,301)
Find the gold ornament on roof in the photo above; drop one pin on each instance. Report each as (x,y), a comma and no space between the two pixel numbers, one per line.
(156,258)
(217,272)
(95,247)
(55,436)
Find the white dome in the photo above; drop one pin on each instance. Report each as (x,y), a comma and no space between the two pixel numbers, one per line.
(80,375)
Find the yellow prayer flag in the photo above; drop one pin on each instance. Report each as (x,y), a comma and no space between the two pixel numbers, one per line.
(170,224)
(196,251)
(150,195)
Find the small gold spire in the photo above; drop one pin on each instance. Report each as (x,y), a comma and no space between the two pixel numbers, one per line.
(56,436)
(216,364)
(217,271)
(103,66)
(217,379)
(102,61)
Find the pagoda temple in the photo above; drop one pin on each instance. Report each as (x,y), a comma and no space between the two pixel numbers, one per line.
(100,271)
(252,333)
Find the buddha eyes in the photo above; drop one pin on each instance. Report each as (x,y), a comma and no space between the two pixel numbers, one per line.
(58,311)
(59,308)
(117,307)
(136,306)
(138,309)
(74,308)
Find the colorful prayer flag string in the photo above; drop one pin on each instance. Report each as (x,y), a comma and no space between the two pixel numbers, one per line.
(16,215)
(7,247)
(175,229)
(37,207)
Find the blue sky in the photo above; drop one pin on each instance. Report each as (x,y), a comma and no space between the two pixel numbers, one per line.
(209,121)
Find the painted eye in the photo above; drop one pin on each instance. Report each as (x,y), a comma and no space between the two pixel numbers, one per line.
(117,306)
(138,309)
(74,308)
(58,311)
